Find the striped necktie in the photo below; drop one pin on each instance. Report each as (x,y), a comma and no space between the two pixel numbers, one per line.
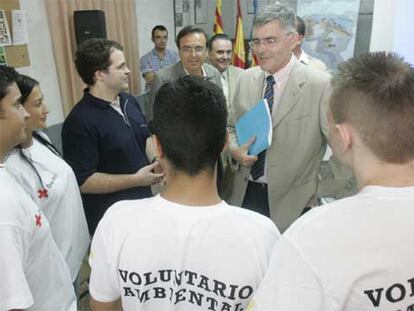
(258,167)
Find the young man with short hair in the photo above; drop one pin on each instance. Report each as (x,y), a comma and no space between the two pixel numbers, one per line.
(158,58)
(356,253)
(184,249)
(104,136)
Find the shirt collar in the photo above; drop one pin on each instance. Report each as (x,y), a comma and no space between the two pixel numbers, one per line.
(155,54)
(285,71)
(202,69)
(96,101)
(304,58)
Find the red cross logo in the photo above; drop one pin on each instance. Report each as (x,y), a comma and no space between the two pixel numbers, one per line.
(42,193)
(38,218)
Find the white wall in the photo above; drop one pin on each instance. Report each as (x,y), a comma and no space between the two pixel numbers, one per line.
(392,27)
(382,34)
(391,30)
(42,62)
(403,32)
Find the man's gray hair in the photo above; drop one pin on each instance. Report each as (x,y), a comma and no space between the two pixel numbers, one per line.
(277,12)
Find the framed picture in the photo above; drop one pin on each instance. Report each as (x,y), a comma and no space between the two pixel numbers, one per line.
(178,19)
(200,11)
(3,60)
(5,38)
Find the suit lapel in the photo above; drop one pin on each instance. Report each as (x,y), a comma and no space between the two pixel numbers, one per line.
(256,88)
(179,70)
(291,94)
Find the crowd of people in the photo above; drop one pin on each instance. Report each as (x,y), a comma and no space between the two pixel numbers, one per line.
(225,230)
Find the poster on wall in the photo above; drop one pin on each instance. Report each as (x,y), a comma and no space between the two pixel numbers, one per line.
(3,59)
(331,29)
(200,11)
(5,38)
(19,24)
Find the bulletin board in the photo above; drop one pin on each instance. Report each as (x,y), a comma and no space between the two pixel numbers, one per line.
(16,55)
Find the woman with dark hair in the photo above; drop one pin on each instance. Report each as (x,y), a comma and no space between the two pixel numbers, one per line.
(38,167)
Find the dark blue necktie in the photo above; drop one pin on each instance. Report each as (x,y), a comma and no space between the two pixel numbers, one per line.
(258,167)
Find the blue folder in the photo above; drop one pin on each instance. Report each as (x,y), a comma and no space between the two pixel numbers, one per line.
(257,122)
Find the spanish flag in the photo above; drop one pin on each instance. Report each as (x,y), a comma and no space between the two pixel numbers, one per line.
(239,55)
(218,20)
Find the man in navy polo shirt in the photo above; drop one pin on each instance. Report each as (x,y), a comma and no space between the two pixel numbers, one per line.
(104,137)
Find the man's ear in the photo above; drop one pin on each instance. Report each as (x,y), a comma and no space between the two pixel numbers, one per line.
(300,39)
(293,40)
(158,147)
(227,142)
(345,135)
(99,75)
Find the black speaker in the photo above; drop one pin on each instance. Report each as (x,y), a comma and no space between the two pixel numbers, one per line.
(89,24)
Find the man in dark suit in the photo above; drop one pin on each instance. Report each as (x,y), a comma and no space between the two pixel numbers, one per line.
(192,50)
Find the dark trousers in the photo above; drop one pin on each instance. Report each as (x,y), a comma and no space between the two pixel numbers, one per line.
(256,198)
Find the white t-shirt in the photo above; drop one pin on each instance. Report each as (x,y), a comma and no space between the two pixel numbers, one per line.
(63,204)
(33,273)
(158,255)
(353,254)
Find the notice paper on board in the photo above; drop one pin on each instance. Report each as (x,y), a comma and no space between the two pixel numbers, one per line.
(19,28)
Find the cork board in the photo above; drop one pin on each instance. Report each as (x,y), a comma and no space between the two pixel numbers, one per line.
(17,55)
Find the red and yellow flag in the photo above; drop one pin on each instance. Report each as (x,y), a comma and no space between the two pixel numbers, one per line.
(239,55)
(218,20)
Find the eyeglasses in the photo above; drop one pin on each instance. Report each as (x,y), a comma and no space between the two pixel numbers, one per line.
(269,42)
(189,50)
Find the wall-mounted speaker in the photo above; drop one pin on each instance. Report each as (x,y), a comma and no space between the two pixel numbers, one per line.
(89,24)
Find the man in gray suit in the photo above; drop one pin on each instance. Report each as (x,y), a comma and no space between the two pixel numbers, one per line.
(220,50)
(283,180)
(191,42)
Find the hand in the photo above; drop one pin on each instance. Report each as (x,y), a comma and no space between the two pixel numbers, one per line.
(240,154)
(146,176)
(149,77)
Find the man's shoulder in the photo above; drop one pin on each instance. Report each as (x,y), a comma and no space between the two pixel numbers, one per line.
(210,69)
(309,74)
(325,217)
(147,55)
(317,63)
(126,95)
(252,219)
(171,71)
(80,112)
(235,69)
(128,212)
(16,203)
(171,53)
(252,73)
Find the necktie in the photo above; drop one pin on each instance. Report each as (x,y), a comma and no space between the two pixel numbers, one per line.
(258,167)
